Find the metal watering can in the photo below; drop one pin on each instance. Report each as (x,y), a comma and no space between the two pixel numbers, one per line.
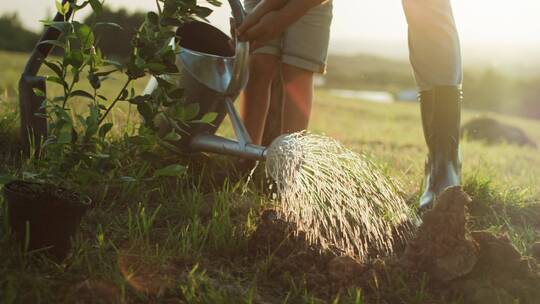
(212,74)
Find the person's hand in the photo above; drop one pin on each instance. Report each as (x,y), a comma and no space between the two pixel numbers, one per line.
(268,27)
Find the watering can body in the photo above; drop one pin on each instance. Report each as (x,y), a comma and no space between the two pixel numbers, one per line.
(205,61)
(212,73)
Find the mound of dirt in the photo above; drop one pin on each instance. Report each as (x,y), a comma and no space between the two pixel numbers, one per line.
(472,267)
(480,266)
(492,131)
(501,275)
(442,246)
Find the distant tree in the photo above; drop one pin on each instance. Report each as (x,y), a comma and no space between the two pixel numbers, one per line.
(490,90)
(13,36)
(113,41)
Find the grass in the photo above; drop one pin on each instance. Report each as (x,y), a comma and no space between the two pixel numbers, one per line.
(188,240)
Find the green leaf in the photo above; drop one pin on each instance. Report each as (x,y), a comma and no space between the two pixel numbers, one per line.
(155,67)
(146,112)
(38,92)
(81,93)
(153,18)
(109,24)
(86,36)
(74,58)
(54,43)
(54,67)
(5,178)
(176,93)
(107,73)
(186,113)
(127,179)
(163,83)
(104,129)
(140,99)
(202,11)
(57,80)
(124,94)
(172,136)
(96,5)
(209,117)
(65,133)
(62,8)
(94,81)
(114,63)
(63,26)
(98,155)
(171,171)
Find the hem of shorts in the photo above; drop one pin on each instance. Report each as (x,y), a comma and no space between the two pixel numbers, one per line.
(305,64)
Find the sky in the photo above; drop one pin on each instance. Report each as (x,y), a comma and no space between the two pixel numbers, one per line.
(376,25)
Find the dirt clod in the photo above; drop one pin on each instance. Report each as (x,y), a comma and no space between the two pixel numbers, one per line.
(496,251)
(442,246)
(344,268)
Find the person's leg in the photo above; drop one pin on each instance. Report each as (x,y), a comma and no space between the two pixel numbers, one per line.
(305,48)
(436,60)
(255,98)
(298,95)
(434,47)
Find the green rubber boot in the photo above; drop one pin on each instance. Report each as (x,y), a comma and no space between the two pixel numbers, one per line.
(441,117)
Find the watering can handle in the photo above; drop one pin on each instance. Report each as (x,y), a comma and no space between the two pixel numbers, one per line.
(238,12)
(240,65)
(42,50)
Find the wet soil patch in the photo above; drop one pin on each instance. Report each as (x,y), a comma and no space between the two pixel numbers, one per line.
(444,262)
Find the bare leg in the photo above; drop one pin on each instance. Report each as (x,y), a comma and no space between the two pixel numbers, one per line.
(298,89)
(255,99)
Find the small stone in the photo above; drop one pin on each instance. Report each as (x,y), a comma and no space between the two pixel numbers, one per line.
(345,268)
(536,251)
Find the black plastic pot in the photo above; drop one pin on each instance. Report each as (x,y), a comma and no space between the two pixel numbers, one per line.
(51,213)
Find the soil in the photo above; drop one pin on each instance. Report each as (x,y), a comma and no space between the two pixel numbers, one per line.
(494,132)
(148,274)
(47,192)
(536,251)
(94,291)
(442,246)
(460,265)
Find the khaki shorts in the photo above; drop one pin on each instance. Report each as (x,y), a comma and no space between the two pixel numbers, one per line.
(305,43)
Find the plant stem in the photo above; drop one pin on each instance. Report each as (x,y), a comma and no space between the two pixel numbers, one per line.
(115,101)
(158,7)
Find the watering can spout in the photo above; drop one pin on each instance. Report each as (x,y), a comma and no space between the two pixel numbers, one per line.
(216,144)
(242,147)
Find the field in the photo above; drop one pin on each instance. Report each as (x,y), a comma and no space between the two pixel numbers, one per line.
(196,239)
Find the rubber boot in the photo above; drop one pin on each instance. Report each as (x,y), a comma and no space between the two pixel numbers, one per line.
(441,117)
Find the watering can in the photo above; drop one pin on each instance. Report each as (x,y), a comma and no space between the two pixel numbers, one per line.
(211,72)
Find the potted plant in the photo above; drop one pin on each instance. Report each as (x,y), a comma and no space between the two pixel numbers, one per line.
(43,213)
(44,216)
